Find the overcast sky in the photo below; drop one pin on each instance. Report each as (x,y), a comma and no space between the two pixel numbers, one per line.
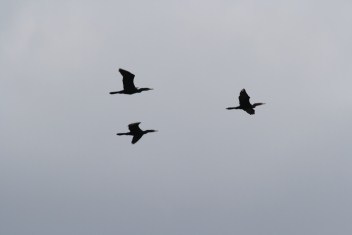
(285,170)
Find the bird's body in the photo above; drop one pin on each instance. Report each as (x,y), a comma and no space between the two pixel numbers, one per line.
(128,85)
(136,132)
(245,104)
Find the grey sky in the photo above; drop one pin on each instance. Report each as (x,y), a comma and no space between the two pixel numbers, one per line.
(285,170)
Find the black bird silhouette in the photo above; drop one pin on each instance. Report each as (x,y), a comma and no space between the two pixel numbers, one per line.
(245,104)
(136,132)
(128,85)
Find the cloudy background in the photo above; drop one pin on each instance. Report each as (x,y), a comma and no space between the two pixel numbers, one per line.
(285,170)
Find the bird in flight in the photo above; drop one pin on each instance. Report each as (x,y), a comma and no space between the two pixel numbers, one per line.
(128,86)
(245,104)
(136,132)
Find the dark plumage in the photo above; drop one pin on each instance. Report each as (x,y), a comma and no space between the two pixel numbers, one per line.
(128,86)
(245,104)
(136,132)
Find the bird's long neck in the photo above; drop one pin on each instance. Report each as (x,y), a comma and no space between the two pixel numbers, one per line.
(117,92)
(238,107)
(148,131)
(257,104)
(127,133)
(144,89)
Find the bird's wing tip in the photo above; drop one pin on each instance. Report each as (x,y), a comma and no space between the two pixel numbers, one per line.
(135,123)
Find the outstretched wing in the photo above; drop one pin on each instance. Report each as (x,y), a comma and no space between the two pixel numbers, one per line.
(136,138)
(244,98)
(127,80)
(134,127)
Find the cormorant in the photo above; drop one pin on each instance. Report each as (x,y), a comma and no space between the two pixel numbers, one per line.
(245,104)
(136,132)
(128,85)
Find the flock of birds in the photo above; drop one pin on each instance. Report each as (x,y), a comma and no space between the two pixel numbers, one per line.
(129,89)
